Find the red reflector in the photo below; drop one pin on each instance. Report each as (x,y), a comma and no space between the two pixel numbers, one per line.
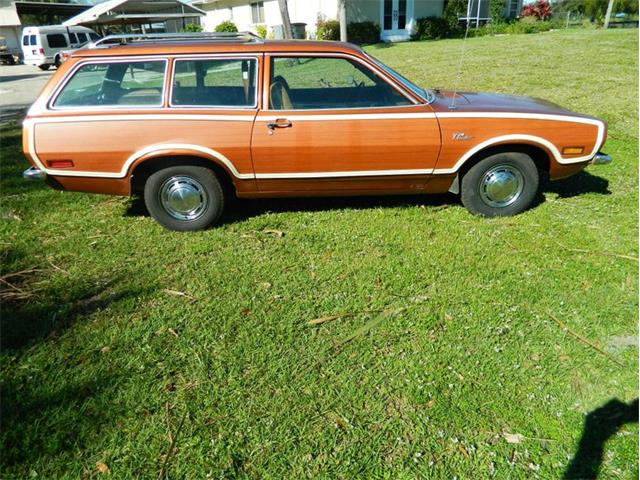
(60,163)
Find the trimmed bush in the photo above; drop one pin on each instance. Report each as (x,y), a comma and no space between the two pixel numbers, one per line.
(192,27)
(261,30)
(363,32)
(226,26)
(431,28)
(327,29)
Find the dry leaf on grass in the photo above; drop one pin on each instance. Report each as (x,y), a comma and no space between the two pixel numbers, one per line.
(513,437)
(273,232)
(321,320)
(177,293)
(103,467)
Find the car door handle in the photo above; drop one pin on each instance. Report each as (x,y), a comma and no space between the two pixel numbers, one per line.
(279,123)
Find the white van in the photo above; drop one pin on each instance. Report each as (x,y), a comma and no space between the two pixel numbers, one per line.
(41,45)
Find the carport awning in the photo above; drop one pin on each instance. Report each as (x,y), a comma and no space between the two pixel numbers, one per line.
(118,12)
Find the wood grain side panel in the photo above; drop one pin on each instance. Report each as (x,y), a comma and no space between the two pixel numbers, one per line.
(105,146)
(561,134)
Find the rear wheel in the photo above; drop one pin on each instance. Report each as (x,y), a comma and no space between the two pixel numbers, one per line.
(57,61)
(184,198)
(44,67)
(500,185)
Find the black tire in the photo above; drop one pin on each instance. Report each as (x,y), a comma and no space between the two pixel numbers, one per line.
(169,193)
(500,185)
(57,61)
(44,67)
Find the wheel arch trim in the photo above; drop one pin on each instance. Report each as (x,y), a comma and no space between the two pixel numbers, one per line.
(516,139)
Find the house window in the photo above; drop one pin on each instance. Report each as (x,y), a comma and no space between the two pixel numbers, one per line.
(257,12)
(513,8)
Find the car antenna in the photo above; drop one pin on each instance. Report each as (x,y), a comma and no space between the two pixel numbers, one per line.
(452,106)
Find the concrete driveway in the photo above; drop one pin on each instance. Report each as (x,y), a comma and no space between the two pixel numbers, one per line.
(19,87)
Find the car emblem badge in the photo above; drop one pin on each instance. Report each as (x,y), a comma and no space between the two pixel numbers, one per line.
(461,136)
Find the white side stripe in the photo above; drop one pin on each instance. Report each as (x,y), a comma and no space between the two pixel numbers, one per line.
(355,173)
(30,125)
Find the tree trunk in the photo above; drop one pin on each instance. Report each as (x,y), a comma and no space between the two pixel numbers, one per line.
(284,13)
(342,17)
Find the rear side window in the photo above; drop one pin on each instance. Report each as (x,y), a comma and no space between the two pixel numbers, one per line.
(82,37)
(114,84)
(213,82)
(73,38)
(56,40)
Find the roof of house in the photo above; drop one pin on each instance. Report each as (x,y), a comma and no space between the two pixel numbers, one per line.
(134,11)
(9,16)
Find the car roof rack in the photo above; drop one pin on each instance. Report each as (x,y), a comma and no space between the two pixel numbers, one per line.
(123,39)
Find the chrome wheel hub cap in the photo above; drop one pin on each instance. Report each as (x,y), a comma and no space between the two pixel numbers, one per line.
(501,185)
(184,198)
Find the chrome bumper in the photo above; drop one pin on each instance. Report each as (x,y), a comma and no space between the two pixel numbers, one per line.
(33,173)
(601,159)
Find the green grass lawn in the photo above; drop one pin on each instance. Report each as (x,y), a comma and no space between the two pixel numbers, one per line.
(131,348)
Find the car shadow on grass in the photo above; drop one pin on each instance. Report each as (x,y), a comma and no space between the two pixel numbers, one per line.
(599,425)
(239,210)
(579,184)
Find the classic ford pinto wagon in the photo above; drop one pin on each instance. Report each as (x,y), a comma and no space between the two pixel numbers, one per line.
(187,121)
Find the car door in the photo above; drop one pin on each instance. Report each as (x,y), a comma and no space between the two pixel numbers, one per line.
(334,122)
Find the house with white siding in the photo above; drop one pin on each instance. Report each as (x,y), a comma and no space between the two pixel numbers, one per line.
(397,18)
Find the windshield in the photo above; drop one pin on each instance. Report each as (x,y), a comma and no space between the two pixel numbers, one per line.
(427,95)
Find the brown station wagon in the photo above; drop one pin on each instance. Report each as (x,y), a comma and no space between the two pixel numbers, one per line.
(186,121)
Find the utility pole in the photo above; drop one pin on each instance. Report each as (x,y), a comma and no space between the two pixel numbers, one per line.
(342,18)
(286,22)
(608,16)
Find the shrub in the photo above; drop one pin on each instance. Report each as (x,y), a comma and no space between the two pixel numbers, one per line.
(226,26)
(540,9)
(327,29)
(363,32)
(525,25)
(453,10)
(261,30)
(496,11)
(431,28)
(192,27)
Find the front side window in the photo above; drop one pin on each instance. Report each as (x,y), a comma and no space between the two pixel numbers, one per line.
(303,83)
(94,36)
(57,40)
(114,84)
(214,82)
(82,37)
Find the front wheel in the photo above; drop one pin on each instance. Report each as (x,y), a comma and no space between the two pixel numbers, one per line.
(44,67)
(184,198)
(500,185)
